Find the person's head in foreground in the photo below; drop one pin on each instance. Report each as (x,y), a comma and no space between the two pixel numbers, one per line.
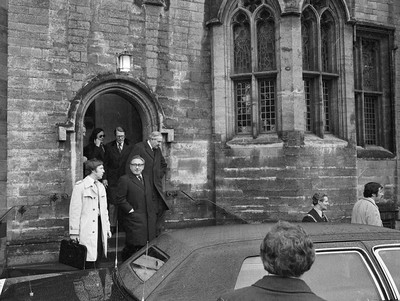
(287,250)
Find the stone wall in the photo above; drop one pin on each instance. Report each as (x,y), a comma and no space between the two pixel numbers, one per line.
(3,126)
(273,182)
(55,49)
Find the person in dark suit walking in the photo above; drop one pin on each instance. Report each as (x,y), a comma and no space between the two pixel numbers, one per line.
(317,214)
(155,169)
(138,211)
(116,156)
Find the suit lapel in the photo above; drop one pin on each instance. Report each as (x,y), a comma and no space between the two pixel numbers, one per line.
(136,181)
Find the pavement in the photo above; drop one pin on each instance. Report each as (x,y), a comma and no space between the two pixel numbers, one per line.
(56,281)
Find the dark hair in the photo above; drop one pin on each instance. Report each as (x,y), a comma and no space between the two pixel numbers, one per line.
(371,188)
(287,250)
(318,197)
(119,129)
(94,134)
(92,164)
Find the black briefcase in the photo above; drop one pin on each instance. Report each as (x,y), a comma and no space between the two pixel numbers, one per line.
(72,253)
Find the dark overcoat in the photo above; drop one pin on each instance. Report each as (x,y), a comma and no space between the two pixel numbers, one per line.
(273,288)
(114,161)
(313,217)
(155,167)
(140,226)
(92,151)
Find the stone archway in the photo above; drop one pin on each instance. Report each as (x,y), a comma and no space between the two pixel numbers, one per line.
(132,90)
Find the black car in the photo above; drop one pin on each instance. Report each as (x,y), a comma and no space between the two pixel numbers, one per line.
(353,262)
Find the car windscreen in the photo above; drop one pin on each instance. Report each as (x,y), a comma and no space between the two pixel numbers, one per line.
(389,259)
(335,275)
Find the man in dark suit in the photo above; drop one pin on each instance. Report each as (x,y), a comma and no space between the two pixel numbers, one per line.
(116,156)
(317,214)
(155,169)
(138,211)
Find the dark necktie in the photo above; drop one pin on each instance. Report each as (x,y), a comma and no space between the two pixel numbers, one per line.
(120,147)
(140,178)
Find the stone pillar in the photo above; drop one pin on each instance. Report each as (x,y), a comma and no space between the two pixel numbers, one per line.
(154,10)
(292,102)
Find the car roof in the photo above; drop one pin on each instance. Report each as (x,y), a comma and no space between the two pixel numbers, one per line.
(320,232)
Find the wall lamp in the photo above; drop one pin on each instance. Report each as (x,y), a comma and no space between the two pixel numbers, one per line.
(124,61)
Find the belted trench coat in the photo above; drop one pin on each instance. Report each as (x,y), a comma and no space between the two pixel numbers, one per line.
(88,201)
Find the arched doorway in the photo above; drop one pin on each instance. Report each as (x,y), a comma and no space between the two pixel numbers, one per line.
(109,110)
(108,101)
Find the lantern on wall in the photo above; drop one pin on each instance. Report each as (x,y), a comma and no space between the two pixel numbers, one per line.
(124,61)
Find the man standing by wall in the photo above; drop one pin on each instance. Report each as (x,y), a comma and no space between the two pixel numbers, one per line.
(116,156)
(317,215)
(365,210)
(155,169)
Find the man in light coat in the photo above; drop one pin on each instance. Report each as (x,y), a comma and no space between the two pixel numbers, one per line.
(88,214)
(365,210)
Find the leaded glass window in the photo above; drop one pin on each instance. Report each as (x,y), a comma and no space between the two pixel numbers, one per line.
(254,68)
(266,42)
(319,45)
(242,44)
(372,83)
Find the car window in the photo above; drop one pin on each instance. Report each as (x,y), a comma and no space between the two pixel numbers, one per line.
(335,275)
(342,275)
(148,263)
(252,270)
(389,259)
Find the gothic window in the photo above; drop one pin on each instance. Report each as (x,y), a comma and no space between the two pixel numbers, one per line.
(254,69)
(372,78)
(320,75)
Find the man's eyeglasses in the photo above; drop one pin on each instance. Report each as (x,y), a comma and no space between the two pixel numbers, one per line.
(102,136)
(137,165)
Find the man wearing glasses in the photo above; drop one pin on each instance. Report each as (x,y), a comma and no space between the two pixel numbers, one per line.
(155,168)
(138,211)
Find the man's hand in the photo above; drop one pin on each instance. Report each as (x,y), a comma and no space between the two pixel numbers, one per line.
(105,183)
(109,234)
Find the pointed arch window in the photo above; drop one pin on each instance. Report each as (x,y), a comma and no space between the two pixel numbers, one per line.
(320,74)
(254,69)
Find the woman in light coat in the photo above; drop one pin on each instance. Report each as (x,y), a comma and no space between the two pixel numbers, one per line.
(88,212)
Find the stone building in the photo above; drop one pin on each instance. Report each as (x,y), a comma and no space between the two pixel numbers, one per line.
(261,103)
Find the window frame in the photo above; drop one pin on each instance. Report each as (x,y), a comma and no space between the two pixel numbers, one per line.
(317,125)
(255,75)
(383,93)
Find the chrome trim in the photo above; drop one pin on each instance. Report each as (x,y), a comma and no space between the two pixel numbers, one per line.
(375,251)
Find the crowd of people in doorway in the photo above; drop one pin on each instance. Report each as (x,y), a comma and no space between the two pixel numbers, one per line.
(122,186)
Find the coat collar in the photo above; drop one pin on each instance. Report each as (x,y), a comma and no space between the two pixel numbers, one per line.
(283,284)
(371,200)
(88,181)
